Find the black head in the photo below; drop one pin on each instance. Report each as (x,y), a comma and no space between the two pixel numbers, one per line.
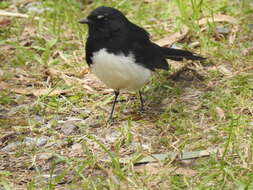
(103,21)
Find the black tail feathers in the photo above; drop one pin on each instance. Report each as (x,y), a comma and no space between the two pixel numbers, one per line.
(179,55)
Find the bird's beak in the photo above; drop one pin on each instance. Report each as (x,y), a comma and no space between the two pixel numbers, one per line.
(85,21)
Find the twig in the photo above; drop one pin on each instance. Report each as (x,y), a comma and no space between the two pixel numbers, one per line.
(178,36)
(243,70)
(173,155)
(19,15)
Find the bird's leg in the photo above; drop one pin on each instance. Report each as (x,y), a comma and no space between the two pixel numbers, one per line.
(116,92)
(142,102)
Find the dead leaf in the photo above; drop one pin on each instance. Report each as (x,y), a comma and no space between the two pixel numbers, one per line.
(29,30)
(169,40)
(8,136)
(148,1)
(85,71)
(45,91)
(77,149)
(194,44)
(223,18)
(232,36)
(225,69)
(151,168)
(185,172)
(247,51)
(44,156)
(33,91)
(28,1)
(69,79)
(28,34)
(155,169)
(4,22)
(243,70)
(19,15)
(218,18)
(88,82)
(220,112)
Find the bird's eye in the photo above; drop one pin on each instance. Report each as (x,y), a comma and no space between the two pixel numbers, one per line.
(100,16)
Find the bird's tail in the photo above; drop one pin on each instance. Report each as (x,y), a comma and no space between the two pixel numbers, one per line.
(179,55)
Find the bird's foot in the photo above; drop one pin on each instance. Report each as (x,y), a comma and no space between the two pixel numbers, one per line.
(142,110)
(111,121)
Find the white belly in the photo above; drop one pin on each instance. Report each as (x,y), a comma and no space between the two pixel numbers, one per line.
(119,71)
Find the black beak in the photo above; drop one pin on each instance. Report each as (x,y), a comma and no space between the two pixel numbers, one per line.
(85,21)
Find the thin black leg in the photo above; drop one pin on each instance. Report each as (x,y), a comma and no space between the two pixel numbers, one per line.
(142,102)
(113,106)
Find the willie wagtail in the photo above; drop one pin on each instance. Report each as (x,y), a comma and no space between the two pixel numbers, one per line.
(121,54)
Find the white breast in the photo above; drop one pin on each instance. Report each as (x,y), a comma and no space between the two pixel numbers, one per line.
(119,71)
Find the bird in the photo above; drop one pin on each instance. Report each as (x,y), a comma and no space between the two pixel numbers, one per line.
(121,53)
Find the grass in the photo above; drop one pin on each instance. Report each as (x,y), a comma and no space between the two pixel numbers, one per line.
(187,114)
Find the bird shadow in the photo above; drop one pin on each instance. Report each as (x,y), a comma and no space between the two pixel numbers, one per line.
(163,90)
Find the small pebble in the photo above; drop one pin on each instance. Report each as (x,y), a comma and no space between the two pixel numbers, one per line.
(45,156)
(11,147)
(112,137)
(38,118)
(68,128)
(77,148)
(41,141)
(146,147)
(29,141)
(126,111)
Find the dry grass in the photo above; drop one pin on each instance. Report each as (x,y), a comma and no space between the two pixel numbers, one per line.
(47,92)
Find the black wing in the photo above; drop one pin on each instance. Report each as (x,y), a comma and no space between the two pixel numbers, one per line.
(146,53)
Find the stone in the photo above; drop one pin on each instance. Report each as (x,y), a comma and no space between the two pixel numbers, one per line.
(41,141)
(45,156)
(11,147)
(68,128)
(30,141)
